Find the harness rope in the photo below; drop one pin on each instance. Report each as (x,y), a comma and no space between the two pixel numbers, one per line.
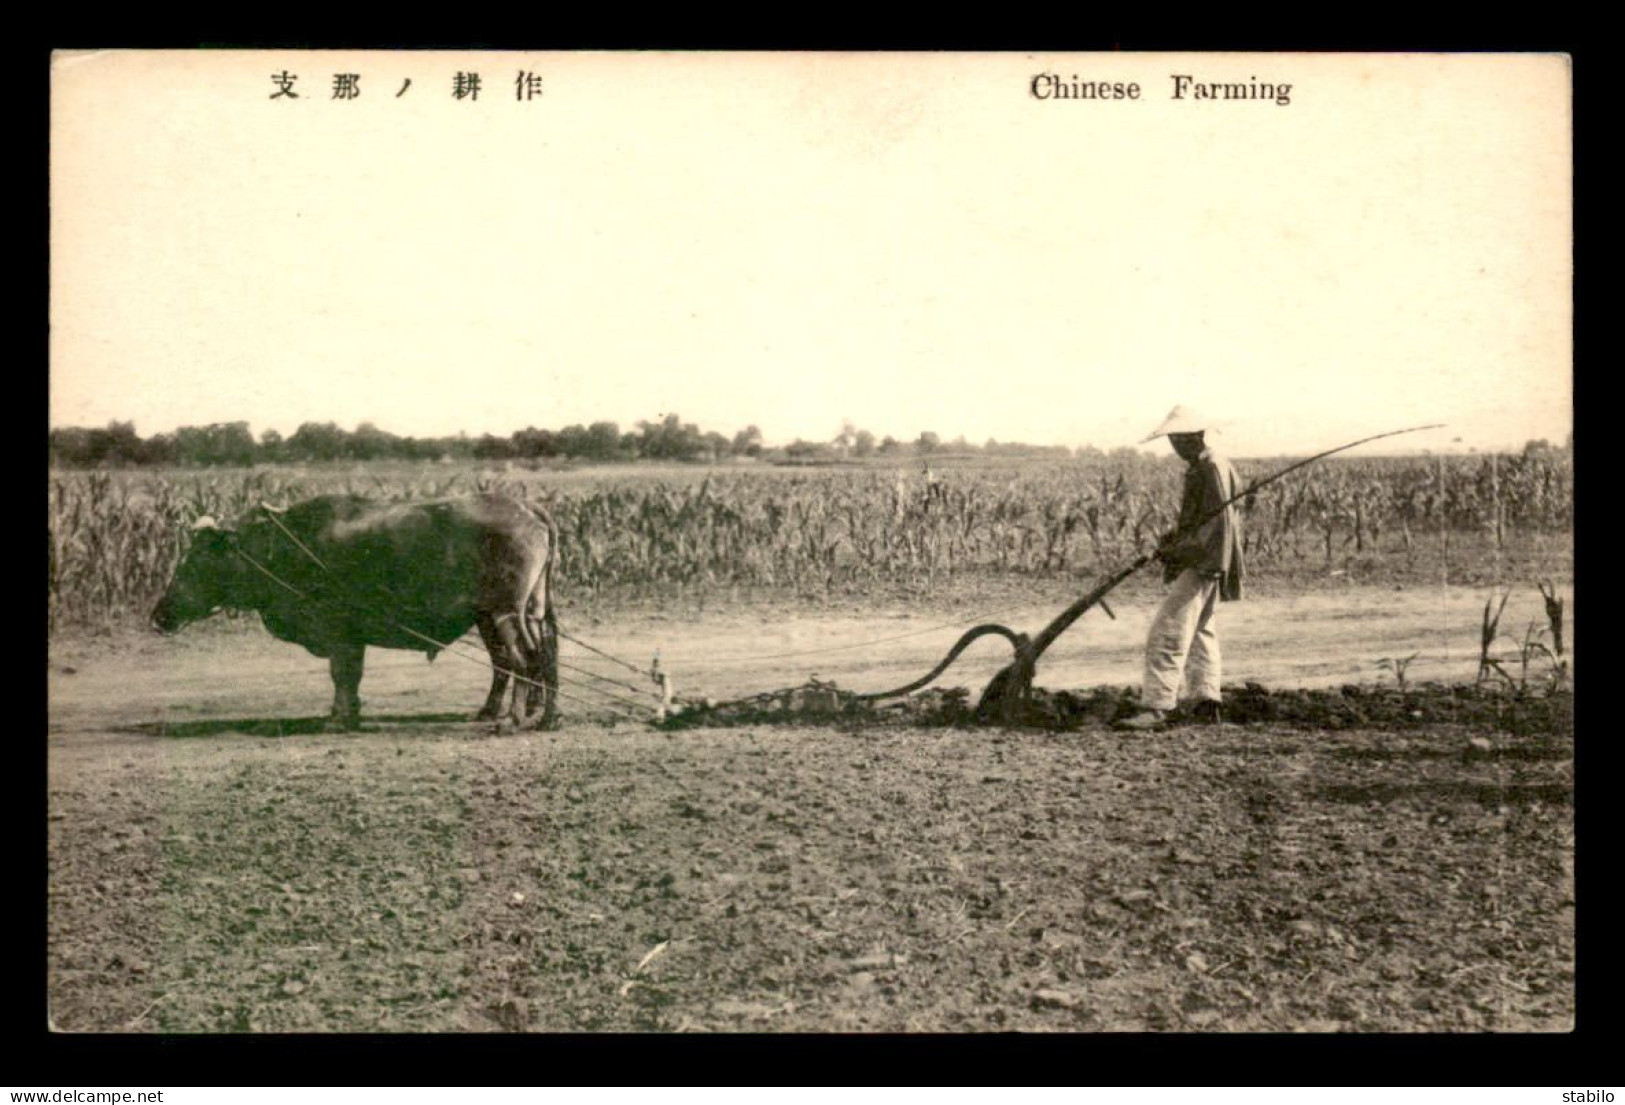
(575,640)
(454,648)
(606,679)
(524,629)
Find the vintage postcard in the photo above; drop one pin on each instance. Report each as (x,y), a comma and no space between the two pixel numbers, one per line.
(907,542)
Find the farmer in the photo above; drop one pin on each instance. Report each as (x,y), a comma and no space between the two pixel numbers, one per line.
(1203,563)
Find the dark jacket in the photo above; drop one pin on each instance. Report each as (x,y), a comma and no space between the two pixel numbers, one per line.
(1214,549)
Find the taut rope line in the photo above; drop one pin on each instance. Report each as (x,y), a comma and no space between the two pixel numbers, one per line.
(553,545)
(454,648)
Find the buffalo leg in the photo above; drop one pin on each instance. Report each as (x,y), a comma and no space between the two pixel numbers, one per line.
(533,687)
(499,671)
(509,654)
(544,672)
(345,663)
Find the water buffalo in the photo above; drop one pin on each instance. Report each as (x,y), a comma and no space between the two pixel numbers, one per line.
(339,572)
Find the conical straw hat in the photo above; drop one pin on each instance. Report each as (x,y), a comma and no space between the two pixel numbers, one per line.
(1180,420)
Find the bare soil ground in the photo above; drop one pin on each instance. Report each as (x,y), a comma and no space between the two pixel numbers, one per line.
(220,864)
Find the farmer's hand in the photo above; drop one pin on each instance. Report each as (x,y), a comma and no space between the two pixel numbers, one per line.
(1172,555)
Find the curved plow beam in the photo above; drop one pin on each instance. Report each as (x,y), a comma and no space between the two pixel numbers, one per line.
(1018,641)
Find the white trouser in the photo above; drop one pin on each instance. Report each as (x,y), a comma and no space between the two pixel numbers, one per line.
(1183,645)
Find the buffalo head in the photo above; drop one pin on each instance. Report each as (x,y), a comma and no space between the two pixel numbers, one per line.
(201,583)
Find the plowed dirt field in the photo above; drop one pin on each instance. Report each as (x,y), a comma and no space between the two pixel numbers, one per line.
(1362,861)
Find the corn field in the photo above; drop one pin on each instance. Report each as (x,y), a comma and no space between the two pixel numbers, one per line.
(116,537)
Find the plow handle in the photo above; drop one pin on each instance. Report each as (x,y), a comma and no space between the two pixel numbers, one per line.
(1095,597)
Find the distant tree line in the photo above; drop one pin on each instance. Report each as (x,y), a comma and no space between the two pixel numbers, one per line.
(232,444)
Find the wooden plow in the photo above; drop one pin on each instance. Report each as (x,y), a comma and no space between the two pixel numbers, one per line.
(1006,698)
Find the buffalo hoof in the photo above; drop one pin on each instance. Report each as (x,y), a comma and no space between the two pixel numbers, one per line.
(488,713)
(341,724)
(534,723)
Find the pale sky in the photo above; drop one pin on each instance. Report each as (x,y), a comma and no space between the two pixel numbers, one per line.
(910,242)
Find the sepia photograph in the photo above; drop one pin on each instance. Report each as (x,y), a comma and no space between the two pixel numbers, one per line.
(810,542)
